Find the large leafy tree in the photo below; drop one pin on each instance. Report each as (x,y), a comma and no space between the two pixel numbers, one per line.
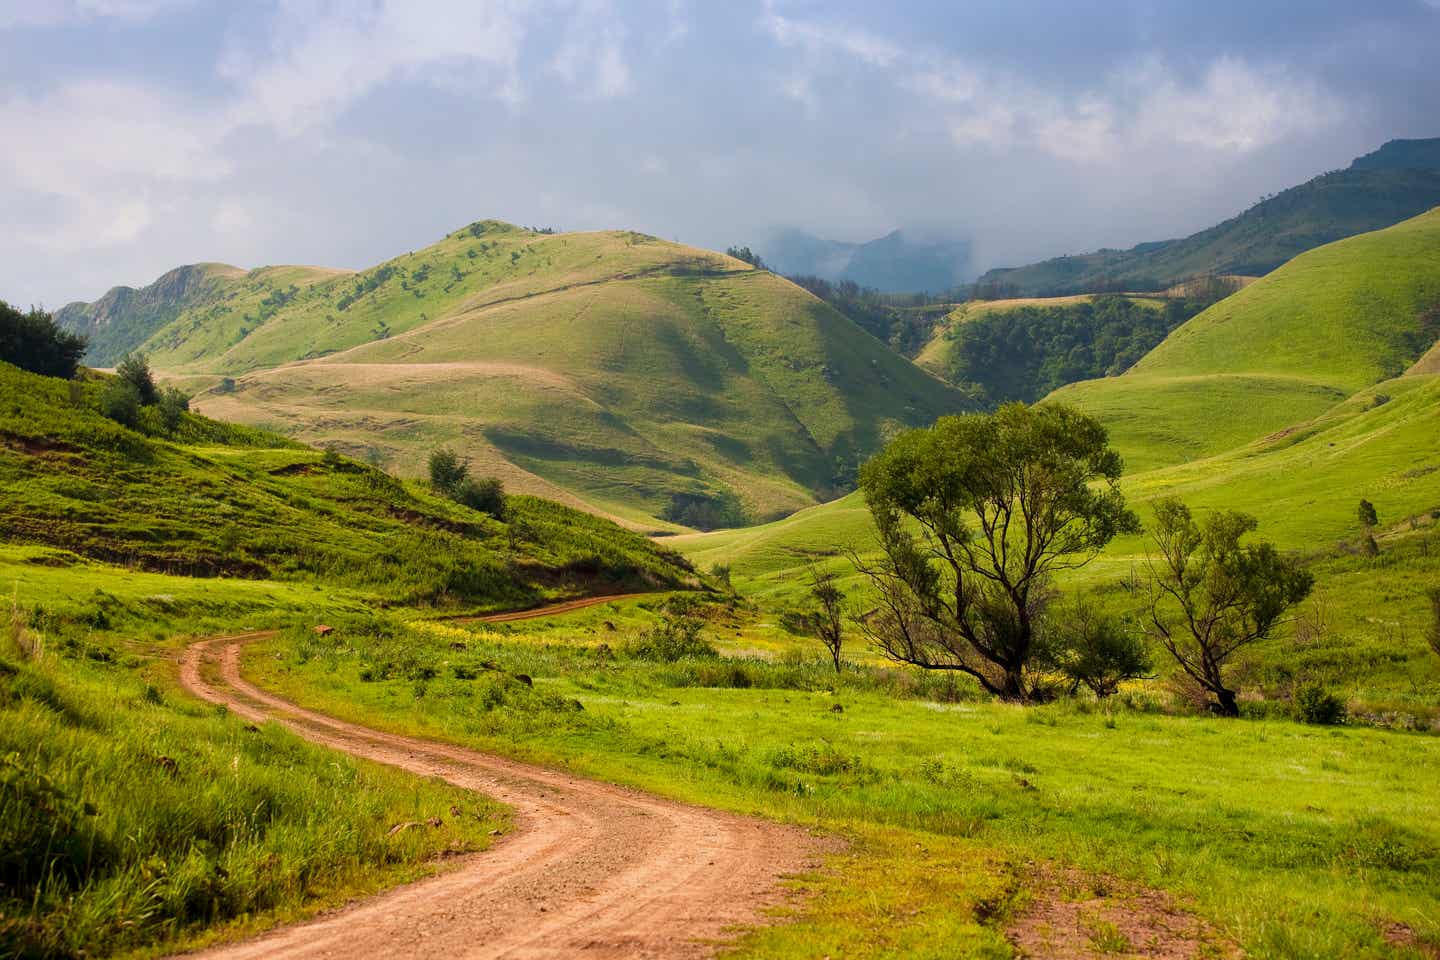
(974,516)
(1211,595)
(32,341)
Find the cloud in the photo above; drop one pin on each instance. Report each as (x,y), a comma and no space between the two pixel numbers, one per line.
(317,60)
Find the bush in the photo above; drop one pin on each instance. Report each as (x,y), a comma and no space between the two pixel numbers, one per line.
(447,471)
(32,341)
(674,638)
(1095,650)
(134,369)
(173,406)
(1315,704)
(486,495)
(120,401)
(1432,633)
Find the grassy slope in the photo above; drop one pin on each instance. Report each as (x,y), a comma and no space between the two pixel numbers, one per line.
(1283,350)
(1293,841)
(612,367)
(1326,209)
(217,499)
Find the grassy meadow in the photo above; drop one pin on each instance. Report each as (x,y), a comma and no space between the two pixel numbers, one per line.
(1289,840)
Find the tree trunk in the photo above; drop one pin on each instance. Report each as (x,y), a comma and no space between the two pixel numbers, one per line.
(1225,703)
(1013,688)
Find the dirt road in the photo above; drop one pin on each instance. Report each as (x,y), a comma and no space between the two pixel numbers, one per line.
(592,870)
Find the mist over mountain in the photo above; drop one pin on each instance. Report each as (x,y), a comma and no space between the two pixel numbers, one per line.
(894,263)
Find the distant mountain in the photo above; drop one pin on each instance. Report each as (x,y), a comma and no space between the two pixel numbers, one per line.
(893,263)
(1396,182)
(638,378)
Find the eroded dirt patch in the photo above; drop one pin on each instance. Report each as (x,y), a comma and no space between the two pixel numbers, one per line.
(1076,916)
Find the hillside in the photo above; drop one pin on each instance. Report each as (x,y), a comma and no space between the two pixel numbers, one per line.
(1285,349)
(215,500)
(1400,180)
(624,374)
(894,263)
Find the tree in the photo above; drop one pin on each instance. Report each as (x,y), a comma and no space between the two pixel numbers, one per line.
(173,406)
(1365,513)
(827,620)
(32,341)
(974,516)
(747,255)
(447,470)
(1211,595)
(120,401)
(1095,650)
(134,369)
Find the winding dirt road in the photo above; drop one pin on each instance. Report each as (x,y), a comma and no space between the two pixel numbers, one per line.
(591,870)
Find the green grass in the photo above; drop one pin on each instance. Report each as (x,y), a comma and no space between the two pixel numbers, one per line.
(213,499)
(612,370)
(1294,841)
(1280,352)
(134,818)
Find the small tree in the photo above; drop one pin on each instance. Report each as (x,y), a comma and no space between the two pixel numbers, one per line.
(120,401)
(827,620)
(447,471)
(1365,513)
(1210,595)
(134,369)
(1001,502)
(1095,650)
(172,406)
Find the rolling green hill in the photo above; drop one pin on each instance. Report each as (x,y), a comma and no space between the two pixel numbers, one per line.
(217,500)
(621,373)
(1399,180)
(1285,349)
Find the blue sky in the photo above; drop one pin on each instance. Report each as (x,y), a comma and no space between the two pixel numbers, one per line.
(141,134)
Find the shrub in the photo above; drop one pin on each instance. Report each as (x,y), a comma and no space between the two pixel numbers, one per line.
(486,495)
(173,406)
(1315,704)
(1095,650)
(447,470)
(32,341)
(120,401)
(1365,513)
(674,638)
(134,369)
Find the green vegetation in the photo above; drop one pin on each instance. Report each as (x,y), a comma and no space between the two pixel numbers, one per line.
(212,499)
(1211,596)
(1002,502)
(1026,351)
(1280,352)
(652,382)
(1400,180)
(32,341)
(1290,839)
(133,817)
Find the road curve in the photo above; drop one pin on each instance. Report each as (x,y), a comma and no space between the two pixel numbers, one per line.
(591,870)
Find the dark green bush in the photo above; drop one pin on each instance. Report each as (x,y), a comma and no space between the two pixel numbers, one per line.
(33,342)
(674,638)
(1313,703)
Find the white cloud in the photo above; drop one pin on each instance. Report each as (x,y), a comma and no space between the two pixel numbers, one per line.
(320,61)
(817,39)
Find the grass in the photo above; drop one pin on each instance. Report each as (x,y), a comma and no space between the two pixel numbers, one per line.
(1282,351)
(212,499)
(613,370)
(1291,840)
(134,819)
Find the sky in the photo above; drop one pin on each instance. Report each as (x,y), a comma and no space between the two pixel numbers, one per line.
(142,134)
